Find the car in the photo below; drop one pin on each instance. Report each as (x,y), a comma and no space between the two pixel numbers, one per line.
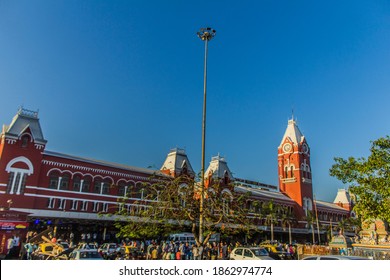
(249,253)
(131,252)
(107,249)
(277,252)
(90,246)
(333,257)
(85,254)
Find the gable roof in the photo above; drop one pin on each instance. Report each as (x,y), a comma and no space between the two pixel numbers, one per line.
(292,133)
(25,120)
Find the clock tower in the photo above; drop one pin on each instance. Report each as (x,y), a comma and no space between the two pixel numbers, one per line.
(295,177)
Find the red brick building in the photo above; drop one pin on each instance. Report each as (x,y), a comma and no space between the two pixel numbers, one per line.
(70,191)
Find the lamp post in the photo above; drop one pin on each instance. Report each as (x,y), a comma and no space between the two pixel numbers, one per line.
(205,34)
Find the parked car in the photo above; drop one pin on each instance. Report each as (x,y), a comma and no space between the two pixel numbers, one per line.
(277,252)
(131,253)
(107,249)
(333,257)
(85,254)
(88,246)
(250,253)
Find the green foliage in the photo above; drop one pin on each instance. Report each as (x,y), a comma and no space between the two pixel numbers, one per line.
(369,180)
(173,205)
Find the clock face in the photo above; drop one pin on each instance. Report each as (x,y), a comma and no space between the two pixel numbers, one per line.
(287,147)
(305,148)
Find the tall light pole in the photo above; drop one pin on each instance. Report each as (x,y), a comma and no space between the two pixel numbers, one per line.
(205,34)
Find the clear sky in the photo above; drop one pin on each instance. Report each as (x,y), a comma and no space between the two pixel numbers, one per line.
(122,81)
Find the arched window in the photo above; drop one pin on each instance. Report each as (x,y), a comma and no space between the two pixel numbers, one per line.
(86,184)
(64,184)
(97,185)
(53,180)
(292,171)
(18,169)
(106,187)
(76,183)
(122,189)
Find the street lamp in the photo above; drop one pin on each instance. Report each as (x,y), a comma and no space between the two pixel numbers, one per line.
(205,34)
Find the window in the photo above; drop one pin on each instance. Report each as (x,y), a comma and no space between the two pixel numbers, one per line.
(105,207)
(106,188)
(86,185)
(238,252)
(122,190)
(76,183)
(10,182)
(248,253)
(16,182)
(53,181)
(97,186)
(25,140)
(285,172)
(292,171)
(64,184)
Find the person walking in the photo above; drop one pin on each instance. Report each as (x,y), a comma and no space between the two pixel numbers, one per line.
(10,251)
(195,252)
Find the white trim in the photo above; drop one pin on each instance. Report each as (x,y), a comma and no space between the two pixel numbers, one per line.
(80,198)
(25,160)
(104,171)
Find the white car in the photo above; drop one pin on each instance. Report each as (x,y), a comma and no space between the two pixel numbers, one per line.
(107,249)
(85,254)
(250,253)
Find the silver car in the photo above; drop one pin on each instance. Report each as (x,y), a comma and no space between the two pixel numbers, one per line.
(250,253)
(85,254)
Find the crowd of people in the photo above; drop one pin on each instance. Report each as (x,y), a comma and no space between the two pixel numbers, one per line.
(145,249)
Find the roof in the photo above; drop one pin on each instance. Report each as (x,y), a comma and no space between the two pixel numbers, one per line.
(293,133)
(23,120)
(105,163)
(218,166)
(329,206)
(266,194)
(176,160)
(342,197)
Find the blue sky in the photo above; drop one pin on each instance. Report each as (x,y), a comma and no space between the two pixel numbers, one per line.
(122,81)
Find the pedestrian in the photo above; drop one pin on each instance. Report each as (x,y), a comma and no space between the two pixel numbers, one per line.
(10,251)
(224,251)
(195,252)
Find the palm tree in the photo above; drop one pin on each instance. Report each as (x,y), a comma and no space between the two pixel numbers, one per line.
(310,220)
(288,219)
(270,212)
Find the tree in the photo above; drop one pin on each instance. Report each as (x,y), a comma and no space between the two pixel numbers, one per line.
(270,211)
(369,180)
(172,205)
(287,218)
(310,220)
